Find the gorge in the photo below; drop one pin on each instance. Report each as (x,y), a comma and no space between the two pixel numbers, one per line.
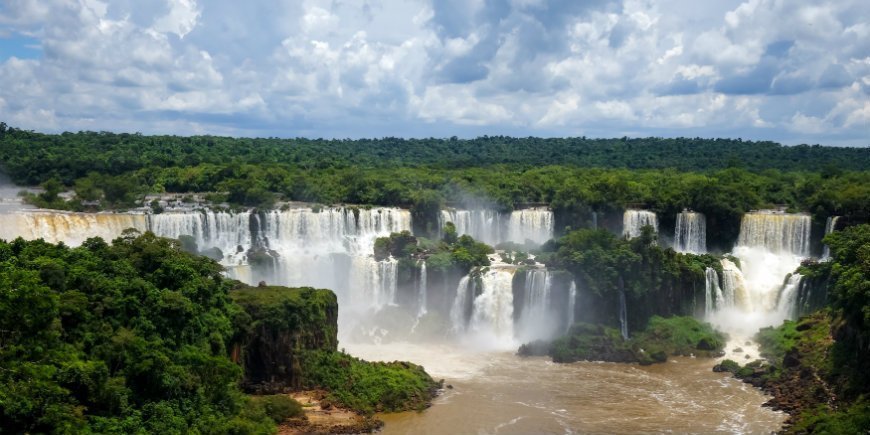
(398,308)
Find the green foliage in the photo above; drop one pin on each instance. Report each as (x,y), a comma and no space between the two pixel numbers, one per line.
(125,338)
(775,342)
(853,419)
(280,407)
(398,245)
(369,386)
(656,281)
(661,338)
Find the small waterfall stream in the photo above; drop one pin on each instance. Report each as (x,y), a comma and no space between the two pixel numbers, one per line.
(634,220)
(690,233)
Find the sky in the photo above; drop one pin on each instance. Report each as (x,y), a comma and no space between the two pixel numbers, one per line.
(792,71)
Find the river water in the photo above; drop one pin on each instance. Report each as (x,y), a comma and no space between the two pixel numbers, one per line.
(500,393)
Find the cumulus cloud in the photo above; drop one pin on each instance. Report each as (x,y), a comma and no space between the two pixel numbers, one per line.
(794,71)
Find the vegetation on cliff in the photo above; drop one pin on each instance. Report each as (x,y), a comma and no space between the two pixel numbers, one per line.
(117,338)
(369,386)
(654,280)
(661,338)
(140,336)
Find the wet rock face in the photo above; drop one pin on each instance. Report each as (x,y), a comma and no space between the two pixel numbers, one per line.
(278,326)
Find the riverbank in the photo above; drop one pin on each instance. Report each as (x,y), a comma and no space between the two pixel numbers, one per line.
(323,416)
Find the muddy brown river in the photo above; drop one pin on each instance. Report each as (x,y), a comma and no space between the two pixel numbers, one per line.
(500,393)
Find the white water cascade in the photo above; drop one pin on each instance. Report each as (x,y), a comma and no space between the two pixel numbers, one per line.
(484,225)
(464,291)
(492,322)
(690,233)
(712,292)
(623,315)
(71,228)
(536,320)
(572,305)
(786,305)
(535,224)
(771,246)
(490,227)
(777,232)
(298,246)
(422,290)
(634,220)
(830,227)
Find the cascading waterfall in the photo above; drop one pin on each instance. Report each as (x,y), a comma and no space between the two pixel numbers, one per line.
(734,292)
(787,303)
(536,320)
(623,315)
(777,232)
(458,309)
(422,290)
(492,311)
(690,233)
(535,224)
(712,292)
(70,228)
(771,246)
(375,282)
(634,220)
(572,304)
(328,248)
(490,227)
(483,225)
(830,226)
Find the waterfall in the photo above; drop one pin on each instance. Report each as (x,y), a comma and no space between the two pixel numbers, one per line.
(634,220)
(535,224)
(536,321)
(375,282)
(690,233)
(299,246)
(594,220)
(734,292)
(492,310)
(460,301)
(572,304)
(422,290)
(712,293)
(787,303)
(490,227)
(483,225)
(776,231)
(623,315)
(70,228)
(830,226)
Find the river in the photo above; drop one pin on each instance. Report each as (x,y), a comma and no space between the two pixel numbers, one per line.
(501,393)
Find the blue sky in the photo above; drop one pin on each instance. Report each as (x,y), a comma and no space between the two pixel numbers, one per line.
(794,72)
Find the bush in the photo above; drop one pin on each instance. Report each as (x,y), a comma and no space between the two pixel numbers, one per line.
(280,407)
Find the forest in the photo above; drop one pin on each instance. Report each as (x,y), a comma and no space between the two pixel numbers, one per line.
(575,177)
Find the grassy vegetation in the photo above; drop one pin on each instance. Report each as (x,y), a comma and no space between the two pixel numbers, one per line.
(369,386)
(775,342)
(661,338)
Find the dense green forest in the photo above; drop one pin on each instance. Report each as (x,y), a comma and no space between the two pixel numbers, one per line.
(31,155)
(575,177)
(142,337)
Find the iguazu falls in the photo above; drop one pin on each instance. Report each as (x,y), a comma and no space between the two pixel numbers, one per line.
(430,217)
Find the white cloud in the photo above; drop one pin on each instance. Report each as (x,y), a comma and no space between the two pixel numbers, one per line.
(798,69)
